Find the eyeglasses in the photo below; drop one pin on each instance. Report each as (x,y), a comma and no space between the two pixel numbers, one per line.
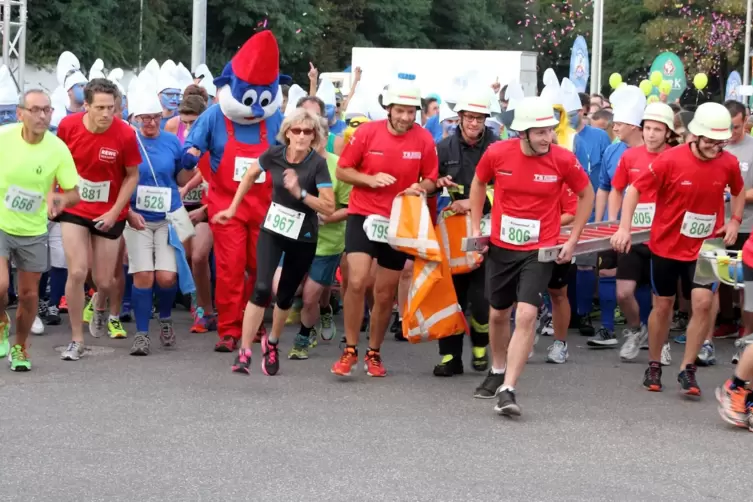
(145,119)
(714,142)
(297,131)
(36,110)
(476,118)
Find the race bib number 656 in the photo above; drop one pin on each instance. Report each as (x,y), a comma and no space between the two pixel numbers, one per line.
(697,226)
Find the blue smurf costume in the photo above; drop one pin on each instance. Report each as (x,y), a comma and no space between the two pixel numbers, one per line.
(235,132)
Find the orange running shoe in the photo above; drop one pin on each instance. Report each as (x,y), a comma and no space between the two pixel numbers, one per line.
(373,364)
(732,404)
(345,364)
(63,307)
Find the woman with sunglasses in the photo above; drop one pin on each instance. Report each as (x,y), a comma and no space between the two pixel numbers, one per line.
(301,188)
(150,256)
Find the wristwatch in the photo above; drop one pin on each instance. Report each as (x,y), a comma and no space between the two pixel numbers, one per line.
(304,193)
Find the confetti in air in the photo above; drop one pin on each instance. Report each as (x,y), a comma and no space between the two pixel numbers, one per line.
(551,25)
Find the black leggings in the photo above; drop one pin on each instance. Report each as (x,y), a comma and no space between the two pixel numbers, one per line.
(298,259)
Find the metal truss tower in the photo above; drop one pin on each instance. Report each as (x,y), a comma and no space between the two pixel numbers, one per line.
(13,31)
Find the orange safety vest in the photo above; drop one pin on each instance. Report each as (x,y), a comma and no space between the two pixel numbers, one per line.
(452,229)
(432,311)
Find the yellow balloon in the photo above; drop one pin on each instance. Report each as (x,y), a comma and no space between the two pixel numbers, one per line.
(652,99)
(646,86)
(665,87)
(615,79)
(700,81)
(656,78)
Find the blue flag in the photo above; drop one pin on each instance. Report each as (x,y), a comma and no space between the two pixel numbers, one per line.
(580,66)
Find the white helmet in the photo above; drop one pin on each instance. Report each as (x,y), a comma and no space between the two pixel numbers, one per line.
(533,112)
(474,103)
(403,92)
(660,112)
(711,120)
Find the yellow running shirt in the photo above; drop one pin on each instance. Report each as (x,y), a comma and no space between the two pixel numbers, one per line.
(27,174)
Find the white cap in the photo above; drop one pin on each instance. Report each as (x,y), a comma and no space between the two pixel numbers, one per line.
(712,121)
(152,68)
(69,71)
(514,94)
(295,94)
(8,91)
(166,78)
(207,80)
(570,99)
(550,78)
(97,70)
(533,112)
(115,76)
(168,65)
(629,103)
(183,76)
(550,94)
(403,91)
(326,92)
(143,98)
(445,113)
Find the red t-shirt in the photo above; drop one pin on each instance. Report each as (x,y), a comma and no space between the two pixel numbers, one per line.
(633,163)
(689,192)
(568,201)
(99,158)
(523,189)
(372,149)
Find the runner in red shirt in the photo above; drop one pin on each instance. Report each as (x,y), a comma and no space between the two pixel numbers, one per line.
(107,159)
(525,217)
(382,160)
(634,267)
(690,181)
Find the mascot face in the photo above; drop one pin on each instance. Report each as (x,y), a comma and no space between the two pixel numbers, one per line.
(246,103)
(7,114)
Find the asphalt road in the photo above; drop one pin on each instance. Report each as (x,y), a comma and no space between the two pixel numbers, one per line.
(179,426)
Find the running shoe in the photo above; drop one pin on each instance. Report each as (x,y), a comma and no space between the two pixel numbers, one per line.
(115,328)
(300,349)
(557,353)
(733,407)
(619,317)
(63,306)
(226,344)
(42,308)
(314,336)
(327,329)
(373,364)
(652,377)
(603,338)
(480,360)
(666,355)
(89,309)
(707,354)
(73,352)
(242,363)
(98,324)
(344,365)
(506,405)
(726,330)
(270,362)
(546,325)
(450,365)
(204,323)
(586,326)
(679,321)
(19,359)
(37,327)
(166,333)
(680,339)
(634,337)
(53,316)
(490,386)
(688,384)
(141,345)
(5,336)
(294,316)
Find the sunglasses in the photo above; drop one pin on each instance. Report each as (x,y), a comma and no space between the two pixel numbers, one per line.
(297,131)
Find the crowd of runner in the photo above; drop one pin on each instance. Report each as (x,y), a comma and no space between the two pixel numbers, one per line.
(96,210)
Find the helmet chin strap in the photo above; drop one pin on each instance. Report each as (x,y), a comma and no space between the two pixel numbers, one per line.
(530,145)
(392,124)
(700,152)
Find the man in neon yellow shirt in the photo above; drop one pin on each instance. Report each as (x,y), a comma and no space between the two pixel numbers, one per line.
(31,161)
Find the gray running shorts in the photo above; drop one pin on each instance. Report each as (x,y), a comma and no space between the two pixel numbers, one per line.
(30,254)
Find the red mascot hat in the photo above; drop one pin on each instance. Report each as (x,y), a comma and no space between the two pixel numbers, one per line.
(258,61)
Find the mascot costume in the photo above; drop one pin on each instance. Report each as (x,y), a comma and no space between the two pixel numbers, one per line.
(235,132)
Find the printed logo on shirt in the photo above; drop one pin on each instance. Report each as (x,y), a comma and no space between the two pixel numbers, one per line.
(686,183)
(744,167)
(411,155)
(634,170)
(545,178)
(375,152)
(108,155)
(505,173)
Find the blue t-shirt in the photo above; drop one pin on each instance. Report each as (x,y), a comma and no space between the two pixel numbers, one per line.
(338,127)
(164,152)
(612,157)
(209,133)
(434,127)
(590,145)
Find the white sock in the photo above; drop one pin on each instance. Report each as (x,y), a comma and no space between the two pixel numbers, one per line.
(496,371)
(114,318)
(507,387)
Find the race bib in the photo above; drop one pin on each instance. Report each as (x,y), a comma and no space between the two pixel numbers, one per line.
(486,225)
(519,232)
(284,221)
(91,191)
(154,199)
(644,215)
(376,228)
(23,201)
(241,166)
(193,196)
(697,226)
